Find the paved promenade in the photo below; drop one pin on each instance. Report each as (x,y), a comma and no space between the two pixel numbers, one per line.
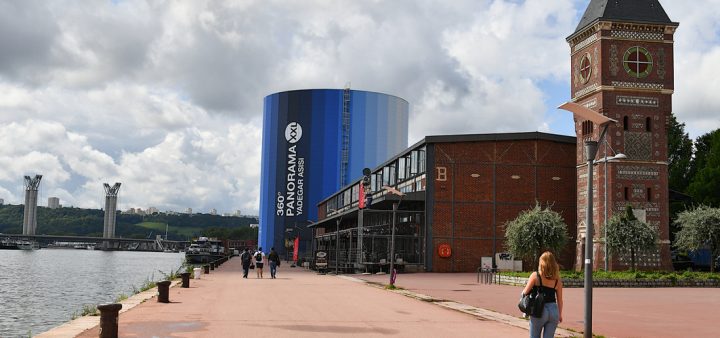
(303,304)
(299,303)
(617,312)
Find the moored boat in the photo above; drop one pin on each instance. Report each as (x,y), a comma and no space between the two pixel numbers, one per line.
(204,250)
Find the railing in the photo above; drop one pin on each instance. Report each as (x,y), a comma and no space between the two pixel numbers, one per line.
(487,275)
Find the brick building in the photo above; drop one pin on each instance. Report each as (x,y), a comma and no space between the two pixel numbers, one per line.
(622,68)
(459,190)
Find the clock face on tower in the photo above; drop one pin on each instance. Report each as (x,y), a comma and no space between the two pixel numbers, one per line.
(585,68)
(638,62)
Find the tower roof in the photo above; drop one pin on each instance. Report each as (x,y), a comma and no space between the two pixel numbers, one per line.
(641,11)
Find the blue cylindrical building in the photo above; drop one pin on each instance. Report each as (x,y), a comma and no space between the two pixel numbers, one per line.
(315,142)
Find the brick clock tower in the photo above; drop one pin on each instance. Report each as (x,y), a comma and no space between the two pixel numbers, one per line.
(622,67)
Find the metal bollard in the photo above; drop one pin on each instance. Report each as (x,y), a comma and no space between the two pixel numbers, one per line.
(109,320)
(207,268)
(212,265)
(163,291)
(185,279)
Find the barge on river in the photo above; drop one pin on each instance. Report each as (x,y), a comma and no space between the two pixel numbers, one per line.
(204,250)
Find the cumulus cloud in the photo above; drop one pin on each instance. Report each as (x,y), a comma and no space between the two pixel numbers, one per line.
(166,97)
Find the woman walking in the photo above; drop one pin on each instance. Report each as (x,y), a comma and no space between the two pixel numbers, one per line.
(548,280)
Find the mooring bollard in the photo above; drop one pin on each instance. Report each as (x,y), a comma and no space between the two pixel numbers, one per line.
(185,279)
(212,265)
(109,320)
(207,268)
(163,291)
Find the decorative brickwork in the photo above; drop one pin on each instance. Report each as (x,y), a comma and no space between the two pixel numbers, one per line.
(634,35)
(637,101)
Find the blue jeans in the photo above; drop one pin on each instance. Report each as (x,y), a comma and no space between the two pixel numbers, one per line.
(273,269)
(547,323)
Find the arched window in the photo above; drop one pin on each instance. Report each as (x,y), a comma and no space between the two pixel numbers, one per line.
(627,193)
(587,128)
(626,125)
(649,194)
(648,126)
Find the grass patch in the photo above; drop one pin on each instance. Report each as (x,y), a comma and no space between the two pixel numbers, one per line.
(392,287)
(121,298)
(671,275)
(87,310)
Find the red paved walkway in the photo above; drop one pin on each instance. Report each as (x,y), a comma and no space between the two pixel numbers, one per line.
(617,312)
(299,303)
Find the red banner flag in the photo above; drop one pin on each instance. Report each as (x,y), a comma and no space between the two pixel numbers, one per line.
(295,248)
(361,196)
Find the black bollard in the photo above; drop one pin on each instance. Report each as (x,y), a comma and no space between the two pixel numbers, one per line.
(207,268)
(185,279)
(163,291)
(212,265)
(109,320)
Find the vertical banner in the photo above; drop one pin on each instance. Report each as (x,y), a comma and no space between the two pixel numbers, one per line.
(295,248)
(361,196)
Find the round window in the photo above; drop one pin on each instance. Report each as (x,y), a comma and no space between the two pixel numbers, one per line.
(638,62)
(585,68)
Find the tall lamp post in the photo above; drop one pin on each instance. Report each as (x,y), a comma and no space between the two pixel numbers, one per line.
(393,191)
(586,114)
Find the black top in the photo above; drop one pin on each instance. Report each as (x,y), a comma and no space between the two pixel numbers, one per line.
(644,11)
(548,292)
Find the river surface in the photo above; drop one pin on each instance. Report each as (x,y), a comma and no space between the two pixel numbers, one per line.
(42,289)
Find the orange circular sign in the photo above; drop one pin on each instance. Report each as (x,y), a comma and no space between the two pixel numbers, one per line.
(444,250)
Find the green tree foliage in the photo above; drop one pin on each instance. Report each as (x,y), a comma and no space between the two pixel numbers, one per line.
(535,231)
(699,228)
(89,222)
(625,233)
(680,151)
(705,183)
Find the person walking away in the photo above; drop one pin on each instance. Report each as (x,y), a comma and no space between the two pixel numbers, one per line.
(549,273)
(274,262)
(259,258)
(246,259)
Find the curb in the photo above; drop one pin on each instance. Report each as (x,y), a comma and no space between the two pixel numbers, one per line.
(482,314)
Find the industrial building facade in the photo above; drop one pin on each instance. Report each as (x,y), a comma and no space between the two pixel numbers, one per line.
(459,190)
(314,143)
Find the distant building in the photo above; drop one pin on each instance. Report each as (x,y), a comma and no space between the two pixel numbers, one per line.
(152,210)
(213,211)
(188,211)
(2,201)
(237,212)
(53,202)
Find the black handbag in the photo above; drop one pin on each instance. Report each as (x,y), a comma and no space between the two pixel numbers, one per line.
(533,303)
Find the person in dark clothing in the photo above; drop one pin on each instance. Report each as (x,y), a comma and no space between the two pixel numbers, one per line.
(274,260)
(245,259)
(548,274)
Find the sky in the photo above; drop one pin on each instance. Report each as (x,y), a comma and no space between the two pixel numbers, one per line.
(166,96)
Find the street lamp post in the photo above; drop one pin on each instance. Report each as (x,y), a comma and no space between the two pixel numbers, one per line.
(393,191)
(588,115)
(337,245)
(590,151)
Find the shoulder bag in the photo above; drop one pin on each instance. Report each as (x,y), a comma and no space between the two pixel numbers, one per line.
(533,303)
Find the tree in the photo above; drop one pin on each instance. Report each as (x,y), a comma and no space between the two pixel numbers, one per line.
(699,228)
(680,151)
(705,184)
(534,231)
(626,233)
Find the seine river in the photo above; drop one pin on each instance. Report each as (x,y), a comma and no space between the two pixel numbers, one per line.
(42,289)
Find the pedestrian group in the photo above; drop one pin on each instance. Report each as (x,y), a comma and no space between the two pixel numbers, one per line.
(257,261)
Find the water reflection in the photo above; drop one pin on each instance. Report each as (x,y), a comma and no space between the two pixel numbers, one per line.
(42,289)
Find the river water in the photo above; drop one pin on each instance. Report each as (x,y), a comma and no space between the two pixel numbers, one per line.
(42,289)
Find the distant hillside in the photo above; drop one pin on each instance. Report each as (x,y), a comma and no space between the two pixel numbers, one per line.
(89,222)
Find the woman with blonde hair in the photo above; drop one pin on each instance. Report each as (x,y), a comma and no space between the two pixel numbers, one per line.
(548,274)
